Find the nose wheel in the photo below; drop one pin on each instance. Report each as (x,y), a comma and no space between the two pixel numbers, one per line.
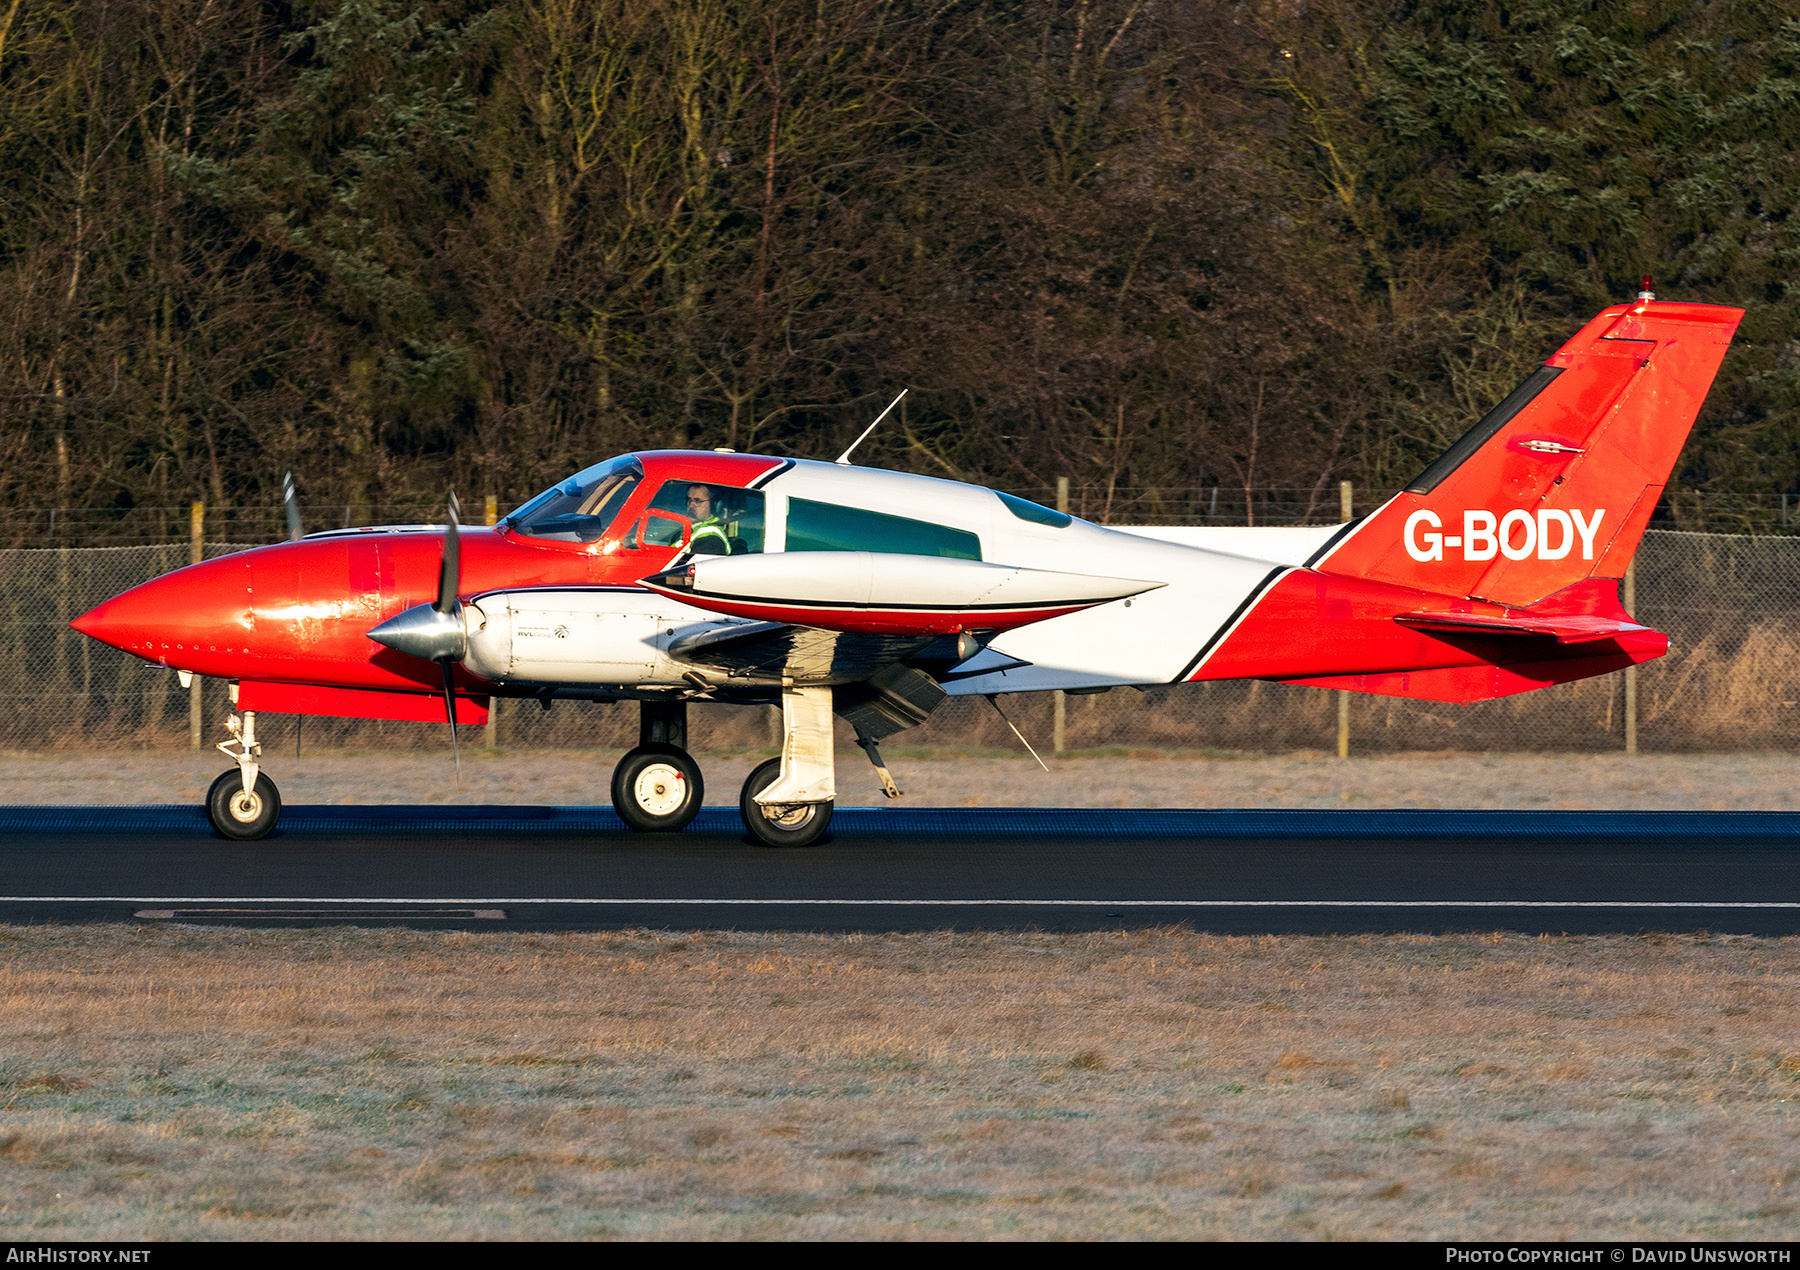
(239,815)
(657,788)
(243,803)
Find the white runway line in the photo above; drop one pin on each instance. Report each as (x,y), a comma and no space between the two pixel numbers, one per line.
(493,902)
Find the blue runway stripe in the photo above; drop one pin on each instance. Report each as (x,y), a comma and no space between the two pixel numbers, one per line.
(879,822)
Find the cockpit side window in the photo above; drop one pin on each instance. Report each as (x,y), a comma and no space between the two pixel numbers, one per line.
(581,508)
(727,521)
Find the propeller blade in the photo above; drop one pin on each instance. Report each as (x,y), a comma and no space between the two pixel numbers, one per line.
(449,668)
(450,574)
(290,500)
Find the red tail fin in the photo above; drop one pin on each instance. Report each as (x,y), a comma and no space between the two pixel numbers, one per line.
(1556,483)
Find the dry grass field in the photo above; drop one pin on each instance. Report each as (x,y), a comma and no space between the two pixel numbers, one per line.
(952,778)
(201,1083)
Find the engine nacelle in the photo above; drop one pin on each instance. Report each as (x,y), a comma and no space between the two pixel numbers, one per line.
(589,636)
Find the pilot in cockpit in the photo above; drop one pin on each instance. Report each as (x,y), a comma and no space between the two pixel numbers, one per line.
(709,514)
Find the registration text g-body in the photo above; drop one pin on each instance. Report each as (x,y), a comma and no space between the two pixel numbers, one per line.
(1547,534)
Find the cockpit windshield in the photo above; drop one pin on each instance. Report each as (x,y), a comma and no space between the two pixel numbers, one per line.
(581,508)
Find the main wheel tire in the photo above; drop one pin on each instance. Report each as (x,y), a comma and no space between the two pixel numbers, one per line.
(797,825)
(239,816)
(657,788)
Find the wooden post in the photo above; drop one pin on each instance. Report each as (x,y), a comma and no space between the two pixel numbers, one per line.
(1631,747)
(196,553)
(491,733)
(1059,720)
(1347,506)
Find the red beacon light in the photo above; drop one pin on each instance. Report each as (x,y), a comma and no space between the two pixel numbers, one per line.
(1646,293)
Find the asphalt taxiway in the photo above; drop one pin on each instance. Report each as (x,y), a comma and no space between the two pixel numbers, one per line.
(911,869)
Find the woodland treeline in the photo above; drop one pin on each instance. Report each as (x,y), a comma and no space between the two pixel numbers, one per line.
(399,247)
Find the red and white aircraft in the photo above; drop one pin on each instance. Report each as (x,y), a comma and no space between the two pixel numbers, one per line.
(675,576)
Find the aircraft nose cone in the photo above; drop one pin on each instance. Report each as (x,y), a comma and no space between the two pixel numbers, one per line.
(98,623)
(183,619)
(138,620)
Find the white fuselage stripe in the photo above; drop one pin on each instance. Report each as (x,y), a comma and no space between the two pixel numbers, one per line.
(1218,640)
(1339,545)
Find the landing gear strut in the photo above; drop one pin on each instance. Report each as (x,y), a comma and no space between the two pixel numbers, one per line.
(788,801)
(657,787)
(243,804)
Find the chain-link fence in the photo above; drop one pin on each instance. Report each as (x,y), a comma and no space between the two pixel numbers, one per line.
(1731,681)
(1773,513)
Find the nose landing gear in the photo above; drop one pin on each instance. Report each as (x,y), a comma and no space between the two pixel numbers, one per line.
(243,804)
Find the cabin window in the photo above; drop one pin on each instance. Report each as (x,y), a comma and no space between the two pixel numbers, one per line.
(581,508)
(1036,513)
(827,527)
(727,521)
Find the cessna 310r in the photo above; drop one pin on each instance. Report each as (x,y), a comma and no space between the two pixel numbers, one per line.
(672,577)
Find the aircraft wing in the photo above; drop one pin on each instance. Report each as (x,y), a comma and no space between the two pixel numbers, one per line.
(1565,628)
(771,650)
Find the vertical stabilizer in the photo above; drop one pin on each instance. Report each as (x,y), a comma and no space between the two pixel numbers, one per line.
(1556,483)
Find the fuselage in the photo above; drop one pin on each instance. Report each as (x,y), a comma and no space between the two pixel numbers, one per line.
(300,613)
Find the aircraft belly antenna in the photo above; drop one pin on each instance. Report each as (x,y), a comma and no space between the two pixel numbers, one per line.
(843,460)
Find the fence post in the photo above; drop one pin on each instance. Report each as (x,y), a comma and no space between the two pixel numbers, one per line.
(1346,505)
(491,733)
(196,553)
(1631,747)
(1059,722)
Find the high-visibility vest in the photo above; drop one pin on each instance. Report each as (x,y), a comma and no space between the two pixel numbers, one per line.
(711,532)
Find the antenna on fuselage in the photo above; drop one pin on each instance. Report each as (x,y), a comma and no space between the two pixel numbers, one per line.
(291,501)
(843,460)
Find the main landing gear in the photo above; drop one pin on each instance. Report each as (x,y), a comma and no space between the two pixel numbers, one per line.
(243,804)
(657,787)
(780,824)
(787,802)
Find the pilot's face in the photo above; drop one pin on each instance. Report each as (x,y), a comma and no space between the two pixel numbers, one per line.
(699,502)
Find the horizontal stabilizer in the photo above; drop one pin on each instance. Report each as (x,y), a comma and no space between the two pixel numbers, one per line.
(1566,628)
(1463,684)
